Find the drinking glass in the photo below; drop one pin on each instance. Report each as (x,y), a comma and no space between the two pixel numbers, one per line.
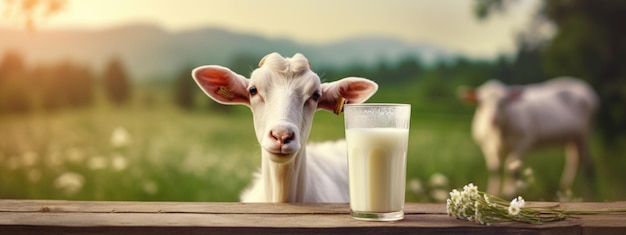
(377,138)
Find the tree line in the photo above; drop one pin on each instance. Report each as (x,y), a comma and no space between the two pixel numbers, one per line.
(65,84)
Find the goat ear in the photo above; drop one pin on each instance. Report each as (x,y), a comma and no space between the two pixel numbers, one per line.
(354,90)
(221,84)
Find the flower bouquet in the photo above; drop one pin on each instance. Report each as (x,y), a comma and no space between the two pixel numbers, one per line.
(480,207)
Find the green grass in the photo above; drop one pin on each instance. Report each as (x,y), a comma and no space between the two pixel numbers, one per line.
(176,155)
(169,155)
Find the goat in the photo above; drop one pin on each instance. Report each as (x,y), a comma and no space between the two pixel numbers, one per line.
(510,121)
(283,94)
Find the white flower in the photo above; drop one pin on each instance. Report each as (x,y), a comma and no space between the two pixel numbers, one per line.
(471,190)
(120,137)
(516,205)
(478,215)
(97,163)
(415,185)
(70,182)
(29,159)
(118,162)
(449,207)
(528,172)
(438,180)
(150,187)
(75,155)
(488,201)
(520,202)
(439,195)
(455,195)
(514,210)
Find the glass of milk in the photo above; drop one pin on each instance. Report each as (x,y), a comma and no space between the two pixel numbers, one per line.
(377,136)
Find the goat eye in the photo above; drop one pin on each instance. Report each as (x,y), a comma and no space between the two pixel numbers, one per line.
(253,90)
(316,96)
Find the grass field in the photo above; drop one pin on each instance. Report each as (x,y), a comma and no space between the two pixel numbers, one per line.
(159,152)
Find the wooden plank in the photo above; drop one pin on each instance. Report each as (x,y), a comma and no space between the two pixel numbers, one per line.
(79,217)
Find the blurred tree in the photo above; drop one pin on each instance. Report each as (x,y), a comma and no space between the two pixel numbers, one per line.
(523,68)
(434,87)
(185,90)
(46,94)
(12,63)
(13,84)
(48,87)
(83,81)
(244,63)
(116,82)
(408,68)
(30,11)
(590,42)
(68,85)
(402,72)
(383,72)
(329,74)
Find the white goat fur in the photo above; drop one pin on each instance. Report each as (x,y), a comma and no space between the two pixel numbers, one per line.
(510,121)
(283,94)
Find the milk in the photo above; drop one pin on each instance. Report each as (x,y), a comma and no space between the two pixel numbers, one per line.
(377,168)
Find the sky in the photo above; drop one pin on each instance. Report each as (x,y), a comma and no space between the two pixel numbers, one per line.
(450,24)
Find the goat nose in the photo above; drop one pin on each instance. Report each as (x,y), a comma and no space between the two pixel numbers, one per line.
(282,137)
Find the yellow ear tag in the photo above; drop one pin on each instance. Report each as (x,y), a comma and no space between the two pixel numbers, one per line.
(339,106)
(225,93)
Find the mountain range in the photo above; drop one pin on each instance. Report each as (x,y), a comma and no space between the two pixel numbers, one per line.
(148,51)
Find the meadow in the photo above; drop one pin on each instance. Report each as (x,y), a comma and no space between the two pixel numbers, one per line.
(154,151)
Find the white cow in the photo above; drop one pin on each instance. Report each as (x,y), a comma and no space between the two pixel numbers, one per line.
(283,94)
(511,120)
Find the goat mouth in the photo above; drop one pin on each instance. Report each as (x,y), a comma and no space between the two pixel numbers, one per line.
(283,150)
(281,153)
